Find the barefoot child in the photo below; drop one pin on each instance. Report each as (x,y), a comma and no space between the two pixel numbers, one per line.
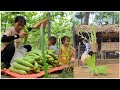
(66,51)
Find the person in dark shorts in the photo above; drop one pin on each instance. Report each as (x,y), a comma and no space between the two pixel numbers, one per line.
(11,40)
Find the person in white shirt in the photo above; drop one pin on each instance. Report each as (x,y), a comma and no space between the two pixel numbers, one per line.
(88,51)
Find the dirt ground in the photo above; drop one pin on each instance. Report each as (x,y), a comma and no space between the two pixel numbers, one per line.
(112,69)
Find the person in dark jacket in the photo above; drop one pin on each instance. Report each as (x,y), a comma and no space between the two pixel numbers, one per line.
(11,40)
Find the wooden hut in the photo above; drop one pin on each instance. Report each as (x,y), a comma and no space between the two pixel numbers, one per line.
(107,37)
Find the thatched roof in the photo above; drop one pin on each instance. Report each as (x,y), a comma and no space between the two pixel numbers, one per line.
(104,28)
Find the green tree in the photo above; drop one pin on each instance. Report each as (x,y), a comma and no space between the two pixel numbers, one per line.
(80,15)
(107,18)
(60,24)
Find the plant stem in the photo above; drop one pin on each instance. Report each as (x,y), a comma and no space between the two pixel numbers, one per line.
(43,51)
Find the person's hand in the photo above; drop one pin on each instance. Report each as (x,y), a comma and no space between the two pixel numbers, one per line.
(73,49)
(23,34)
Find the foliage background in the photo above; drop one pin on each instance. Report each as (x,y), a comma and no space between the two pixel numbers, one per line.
(60,24)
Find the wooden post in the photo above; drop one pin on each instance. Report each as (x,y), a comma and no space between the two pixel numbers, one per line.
(73,31)
(49,24)
(78,53)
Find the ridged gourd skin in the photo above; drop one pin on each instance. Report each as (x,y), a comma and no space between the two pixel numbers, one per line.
(20,67)
(48,56)
(32,54)
(52,51)
(28,59)
(51,58)
(36,70)
(36,52)
(17,71)
(32,62)
(35,64)
(23,62)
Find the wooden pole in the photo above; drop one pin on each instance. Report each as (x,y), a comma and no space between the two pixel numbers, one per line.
(73,31)
(49,25)
(79,53)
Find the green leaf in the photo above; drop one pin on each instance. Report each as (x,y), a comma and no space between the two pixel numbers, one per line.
(102,69)
(43,49)
(91,61)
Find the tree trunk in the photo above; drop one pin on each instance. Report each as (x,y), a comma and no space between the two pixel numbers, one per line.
(81,21)
(74,39)
(73,30)
(86,20)
(113,20)
(49,24)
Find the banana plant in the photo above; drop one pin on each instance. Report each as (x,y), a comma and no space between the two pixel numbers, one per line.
(42,47)
(95,70)
(93,34)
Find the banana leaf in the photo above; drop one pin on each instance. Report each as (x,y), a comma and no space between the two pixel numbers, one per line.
(94,70)
(90,62)
(93,33)
(102,69)
(42,47)
(98,70)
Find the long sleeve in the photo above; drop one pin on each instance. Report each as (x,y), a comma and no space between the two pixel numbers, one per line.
(8,38)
